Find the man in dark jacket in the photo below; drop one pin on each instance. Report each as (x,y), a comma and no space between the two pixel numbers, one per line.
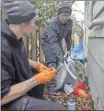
(19,84)
(60,27)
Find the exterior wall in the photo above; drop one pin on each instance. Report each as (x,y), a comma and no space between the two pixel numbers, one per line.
(95,52)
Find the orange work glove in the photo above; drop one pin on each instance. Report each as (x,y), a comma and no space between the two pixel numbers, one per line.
(41,67)
(45,76)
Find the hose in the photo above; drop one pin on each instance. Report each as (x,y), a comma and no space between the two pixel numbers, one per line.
(73,76)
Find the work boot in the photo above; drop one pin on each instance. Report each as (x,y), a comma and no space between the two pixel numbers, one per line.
(52,65)
(52,85)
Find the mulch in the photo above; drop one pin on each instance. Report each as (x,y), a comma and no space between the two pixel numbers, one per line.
(62,98)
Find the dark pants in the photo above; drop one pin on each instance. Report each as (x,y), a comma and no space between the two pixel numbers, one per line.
(38,91)
(51,61)
(50,58)
(29,103)
(32,101)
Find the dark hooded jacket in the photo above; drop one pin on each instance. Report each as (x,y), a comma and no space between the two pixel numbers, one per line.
(15,67)
(54,33)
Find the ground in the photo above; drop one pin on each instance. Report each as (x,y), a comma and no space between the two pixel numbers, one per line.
(62,98)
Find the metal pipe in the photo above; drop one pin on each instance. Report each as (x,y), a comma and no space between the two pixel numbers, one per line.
(73,76)
(96,22)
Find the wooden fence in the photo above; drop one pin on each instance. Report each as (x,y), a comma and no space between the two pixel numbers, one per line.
(33,47)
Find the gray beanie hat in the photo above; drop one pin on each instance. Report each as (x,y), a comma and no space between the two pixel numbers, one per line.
(64,7)
(18,11)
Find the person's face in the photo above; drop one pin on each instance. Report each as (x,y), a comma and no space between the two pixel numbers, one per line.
(64,17)
(27,28)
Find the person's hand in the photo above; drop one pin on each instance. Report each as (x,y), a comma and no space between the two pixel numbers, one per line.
(41,67)
(45,76)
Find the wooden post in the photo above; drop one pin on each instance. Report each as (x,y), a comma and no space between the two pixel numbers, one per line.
(33,45)
(38,43)
(25,43)
(42,57)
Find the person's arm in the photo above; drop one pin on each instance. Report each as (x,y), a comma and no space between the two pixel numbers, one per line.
(68,37)
(22,88)
(33,64)
(39,66)
(19,90)
(68,40)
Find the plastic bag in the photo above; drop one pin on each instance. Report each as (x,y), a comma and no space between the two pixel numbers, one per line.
(68,88)
(78,53)
(63,77)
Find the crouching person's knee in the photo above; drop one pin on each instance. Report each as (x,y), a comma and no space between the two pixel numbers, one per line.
(29,103)
(18,104)
(38,104)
